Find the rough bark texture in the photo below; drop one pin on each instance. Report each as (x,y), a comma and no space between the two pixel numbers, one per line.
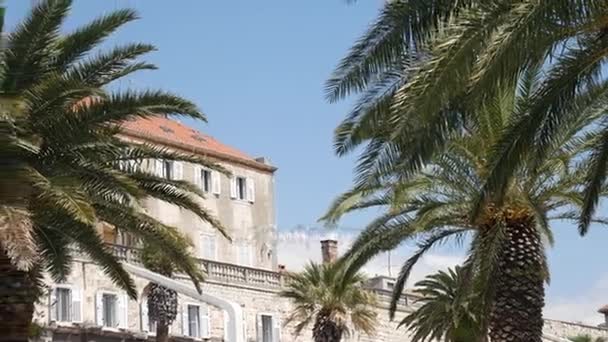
(516,315)
(162,333)
(17,298)
(326,330)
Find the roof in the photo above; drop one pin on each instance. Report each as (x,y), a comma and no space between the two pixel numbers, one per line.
(170,132)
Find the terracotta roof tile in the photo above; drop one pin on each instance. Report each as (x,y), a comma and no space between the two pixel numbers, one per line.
(166,129)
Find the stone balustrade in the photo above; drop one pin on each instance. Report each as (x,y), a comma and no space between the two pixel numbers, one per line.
(226,273)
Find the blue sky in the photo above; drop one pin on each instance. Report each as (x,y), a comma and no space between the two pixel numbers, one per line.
(257,69)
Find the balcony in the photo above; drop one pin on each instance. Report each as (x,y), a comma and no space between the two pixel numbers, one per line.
(231,274)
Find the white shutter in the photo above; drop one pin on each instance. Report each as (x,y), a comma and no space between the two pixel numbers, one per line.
(159,170)
(143,311)
(197,176)
(185,320)
(205,321)
(250,190)
(276,328)
(216,183)
(122,313)
(178,170)
(233,187)
(259,328)
(76,305)
(99,308)
(53,304)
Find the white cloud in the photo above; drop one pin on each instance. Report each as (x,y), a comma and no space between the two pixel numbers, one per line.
(582,307)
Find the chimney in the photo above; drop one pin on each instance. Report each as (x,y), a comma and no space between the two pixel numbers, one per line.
(604,310)
(329,250)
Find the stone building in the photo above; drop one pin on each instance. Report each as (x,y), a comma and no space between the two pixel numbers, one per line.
(246,272)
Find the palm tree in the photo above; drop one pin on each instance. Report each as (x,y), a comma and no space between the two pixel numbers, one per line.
(331,296)
(162,301)
(506,257)
(586,338)
(63,170)
(428,63)
(441,313)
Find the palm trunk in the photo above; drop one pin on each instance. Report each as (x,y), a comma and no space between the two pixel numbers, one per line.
(516,314)
(162,332)
(17,298)
(326,330)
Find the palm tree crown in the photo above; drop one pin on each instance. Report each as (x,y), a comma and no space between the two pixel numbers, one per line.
(64,171)
(441,313)
(423,66)
(333,299)
(444,200)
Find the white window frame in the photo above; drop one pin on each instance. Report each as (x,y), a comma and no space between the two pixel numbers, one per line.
(203,313)
(120,297)
(215,250)
(275,326)
(250,252)
(74,293)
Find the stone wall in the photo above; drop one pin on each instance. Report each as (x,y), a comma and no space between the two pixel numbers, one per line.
(254,300)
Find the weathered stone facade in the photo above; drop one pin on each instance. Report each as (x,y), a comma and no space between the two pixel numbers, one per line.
(245,271)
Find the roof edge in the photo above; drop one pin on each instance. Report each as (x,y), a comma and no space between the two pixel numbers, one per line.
(203,151)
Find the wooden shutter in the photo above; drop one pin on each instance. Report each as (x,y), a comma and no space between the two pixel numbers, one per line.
(276,328)
(198,181)
(143,312)
(53,304)
(250,190)
(77,305)
(259,328)
(216,182)
(233,187)
(122,313)
(185,321)
(99,308)
(205,327)
(178,170)
(159,170)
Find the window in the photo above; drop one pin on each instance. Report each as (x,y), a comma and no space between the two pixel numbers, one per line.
(241,188)
(110,308)
(206,180)
(208,247)
(266,328)
(194,321)
(63,305)
(167,169)
(390,285)
(244,254)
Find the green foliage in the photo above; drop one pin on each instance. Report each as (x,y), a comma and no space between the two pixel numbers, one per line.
(440,312)
(458,57)
(586,338)
(444,201)
(63,170)
(330,292)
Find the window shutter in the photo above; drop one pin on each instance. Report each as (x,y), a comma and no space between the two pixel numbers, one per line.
(76,305)
(159,170)
(205,321)
(198,181)
(259,328)
(178,170)
(233,187)
(276,328)
(99,308)
(216,183)
(53,304)
(143,312)
(250,190)
(185,320)
(122,311)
